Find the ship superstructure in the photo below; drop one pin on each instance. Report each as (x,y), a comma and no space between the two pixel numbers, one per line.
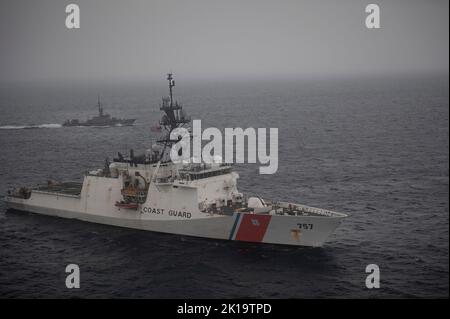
(152,193)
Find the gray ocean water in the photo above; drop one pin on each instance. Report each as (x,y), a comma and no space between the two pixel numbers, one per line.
(376,149)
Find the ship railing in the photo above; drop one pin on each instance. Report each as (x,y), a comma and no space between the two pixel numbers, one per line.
(55,193)
(303,209)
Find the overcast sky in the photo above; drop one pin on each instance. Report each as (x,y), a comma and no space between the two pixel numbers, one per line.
(138,39)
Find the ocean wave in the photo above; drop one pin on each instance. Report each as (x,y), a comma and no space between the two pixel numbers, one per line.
(31,126)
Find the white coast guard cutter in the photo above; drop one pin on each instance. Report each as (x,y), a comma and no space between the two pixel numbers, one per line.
(150,192)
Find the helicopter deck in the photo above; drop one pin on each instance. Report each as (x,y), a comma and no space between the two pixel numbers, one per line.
(66,188)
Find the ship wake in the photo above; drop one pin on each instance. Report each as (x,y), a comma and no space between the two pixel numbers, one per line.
(31,126)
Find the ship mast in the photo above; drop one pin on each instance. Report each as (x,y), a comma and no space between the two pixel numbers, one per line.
(171,85)
(100,108)
(173,117)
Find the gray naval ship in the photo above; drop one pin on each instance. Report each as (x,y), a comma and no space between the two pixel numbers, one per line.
(102,119)
(150,192)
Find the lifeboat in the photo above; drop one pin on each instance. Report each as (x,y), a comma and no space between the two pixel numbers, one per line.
(127,205)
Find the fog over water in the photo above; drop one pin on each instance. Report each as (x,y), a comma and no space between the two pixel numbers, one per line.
(215,39)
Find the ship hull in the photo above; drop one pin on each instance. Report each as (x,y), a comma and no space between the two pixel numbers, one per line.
(127,122)
(310,231)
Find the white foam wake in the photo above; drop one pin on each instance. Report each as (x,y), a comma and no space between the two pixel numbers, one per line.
(32,126)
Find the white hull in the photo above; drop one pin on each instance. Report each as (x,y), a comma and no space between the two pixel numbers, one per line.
(248,227)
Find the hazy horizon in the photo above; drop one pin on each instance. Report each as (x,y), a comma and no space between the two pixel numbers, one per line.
(142,40)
